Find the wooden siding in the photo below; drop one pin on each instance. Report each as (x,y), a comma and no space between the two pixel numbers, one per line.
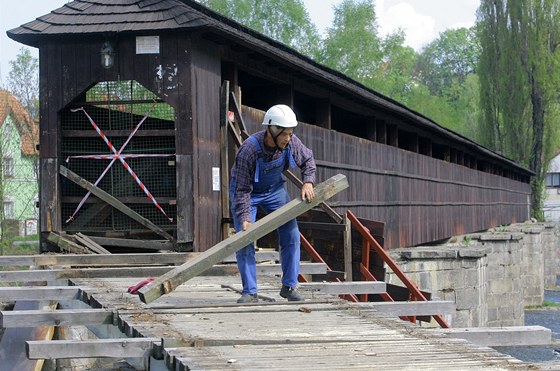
(419,198)
(206,109)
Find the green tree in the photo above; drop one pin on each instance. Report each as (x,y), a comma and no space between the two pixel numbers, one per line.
(519,75)
(448,59)
(285,21)
(352,45)
(23,81)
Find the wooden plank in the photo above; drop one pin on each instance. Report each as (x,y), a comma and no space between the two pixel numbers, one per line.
(85,240)
(501,336)
(113,202)
(97,259)
(141,272)
(137,244)
(412,308)
(338,288)
(66,244)
(40,293)
(260,256)
(116,348)
(329,210)
(181,274)
(61,317)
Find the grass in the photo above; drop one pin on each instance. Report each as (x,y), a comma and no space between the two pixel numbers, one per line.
(545,305)
(7,246)
(550,304)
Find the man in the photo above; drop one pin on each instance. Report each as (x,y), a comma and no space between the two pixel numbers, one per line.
(257,181)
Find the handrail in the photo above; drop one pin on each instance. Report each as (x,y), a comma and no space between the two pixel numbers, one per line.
(414,291)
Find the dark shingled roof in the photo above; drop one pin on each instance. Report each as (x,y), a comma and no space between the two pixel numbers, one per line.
(90,17)
(103,16)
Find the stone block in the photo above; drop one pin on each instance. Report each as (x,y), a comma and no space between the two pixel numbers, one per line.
(468,298)
(422,253)
(473,252)
(498,236)
(499,287)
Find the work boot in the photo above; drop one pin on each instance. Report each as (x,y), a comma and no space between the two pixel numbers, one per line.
(291,293)
(248,298)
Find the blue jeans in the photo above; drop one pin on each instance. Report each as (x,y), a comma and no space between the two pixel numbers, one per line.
(288,238)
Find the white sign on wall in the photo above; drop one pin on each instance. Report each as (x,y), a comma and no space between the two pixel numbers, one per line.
(215,178)
(147,44)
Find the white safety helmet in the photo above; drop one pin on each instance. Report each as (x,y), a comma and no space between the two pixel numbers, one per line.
(280,115)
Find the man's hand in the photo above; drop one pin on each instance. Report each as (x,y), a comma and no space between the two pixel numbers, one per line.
(307,192)
(246,225)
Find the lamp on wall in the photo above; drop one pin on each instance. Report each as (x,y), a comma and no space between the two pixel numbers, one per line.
(107,54)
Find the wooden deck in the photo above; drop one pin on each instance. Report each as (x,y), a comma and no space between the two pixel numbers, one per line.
(203,328)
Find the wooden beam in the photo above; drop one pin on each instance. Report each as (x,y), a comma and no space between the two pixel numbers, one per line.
(97,259)
(113,202)
(170,281)
(348,266)
(502,336)
(260,256)
(61,317)
(326,208)
(141,272)
(137,244)
(224,161)
(412,308)
(66,244)
(40,293)
(59,274)
(89,243)
(115,348)
(339,288)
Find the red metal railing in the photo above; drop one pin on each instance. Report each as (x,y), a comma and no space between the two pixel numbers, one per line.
(369,242)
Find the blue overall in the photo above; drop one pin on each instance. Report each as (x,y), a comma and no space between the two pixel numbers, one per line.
(269,192)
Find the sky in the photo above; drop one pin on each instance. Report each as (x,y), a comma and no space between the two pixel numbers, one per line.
(422,20)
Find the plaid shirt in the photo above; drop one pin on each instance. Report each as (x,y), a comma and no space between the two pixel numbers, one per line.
(245,163)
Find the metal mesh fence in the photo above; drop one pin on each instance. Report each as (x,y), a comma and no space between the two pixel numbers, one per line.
(117,109)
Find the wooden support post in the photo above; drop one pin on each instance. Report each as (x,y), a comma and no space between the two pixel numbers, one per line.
(224,161)
(113,202)
(348,249)
(169,281)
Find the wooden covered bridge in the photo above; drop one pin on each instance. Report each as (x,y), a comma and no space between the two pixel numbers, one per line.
(143,103)
(148,74)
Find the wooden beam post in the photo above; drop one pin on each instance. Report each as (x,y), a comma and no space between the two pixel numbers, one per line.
(348,248)
(171,280)
(224,161)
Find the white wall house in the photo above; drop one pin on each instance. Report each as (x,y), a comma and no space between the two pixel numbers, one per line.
(552,201)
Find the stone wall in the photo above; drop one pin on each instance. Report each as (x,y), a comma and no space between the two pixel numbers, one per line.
(491,276)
